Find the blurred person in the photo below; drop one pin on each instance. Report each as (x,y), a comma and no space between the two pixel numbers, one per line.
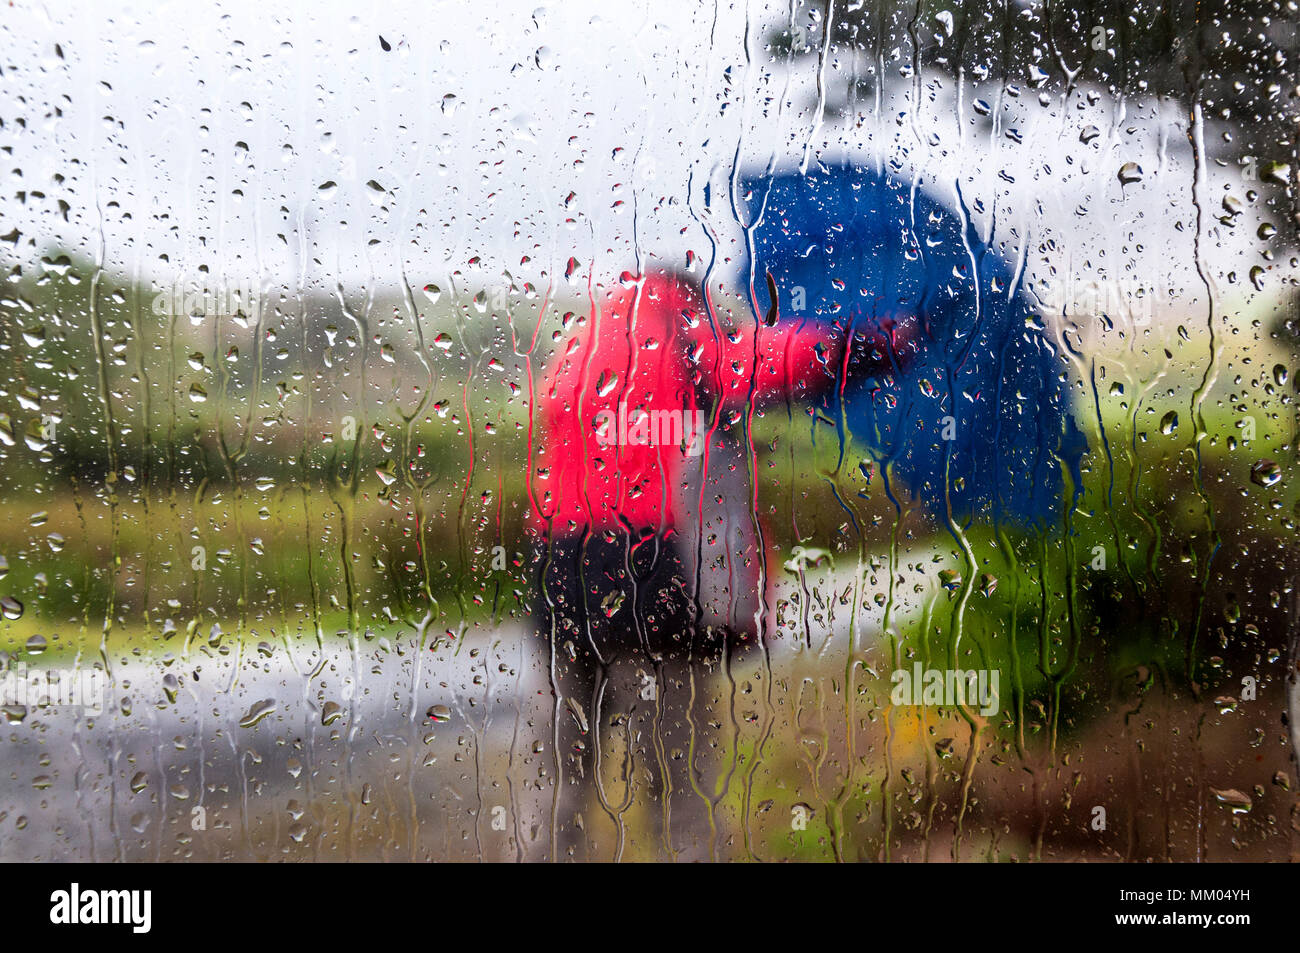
(629,411)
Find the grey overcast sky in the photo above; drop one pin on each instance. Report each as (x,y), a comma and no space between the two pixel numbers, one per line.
(467,141)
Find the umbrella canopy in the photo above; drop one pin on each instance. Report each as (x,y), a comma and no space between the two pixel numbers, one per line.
(969,410)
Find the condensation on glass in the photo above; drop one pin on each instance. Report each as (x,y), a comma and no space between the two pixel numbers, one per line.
(826,431)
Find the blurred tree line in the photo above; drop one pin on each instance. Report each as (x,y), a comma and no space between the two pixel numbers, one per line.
(1235,59)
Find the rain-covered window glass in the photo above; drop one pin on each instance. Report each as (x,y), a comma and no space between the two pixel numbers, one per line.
(591,431)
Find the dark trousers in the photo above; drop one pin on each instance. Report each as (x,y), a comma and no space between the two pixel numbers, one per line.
(627,655)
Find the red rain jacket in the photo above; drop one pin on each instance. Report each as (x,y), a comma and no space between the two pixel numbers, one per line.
(629,399)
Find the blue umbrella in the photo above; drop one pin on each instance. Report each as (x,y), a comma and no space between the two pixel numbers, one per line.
(973,412)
